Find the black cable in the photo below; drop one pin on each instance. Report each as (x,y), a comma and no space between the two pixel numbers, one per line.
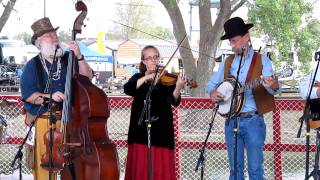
(159,38)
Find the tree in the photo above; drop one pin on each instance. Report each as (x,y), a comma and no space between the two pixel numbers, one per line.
(6,12)
(164,33)
(135,20)
(288,27)
(210,34)
(133,16)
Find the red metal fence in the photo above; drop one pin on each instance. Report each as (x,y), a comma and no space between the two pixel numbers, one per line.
(284,153)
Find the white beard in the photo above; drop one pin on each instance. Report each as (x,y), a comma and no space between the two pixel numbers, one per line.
(49,50)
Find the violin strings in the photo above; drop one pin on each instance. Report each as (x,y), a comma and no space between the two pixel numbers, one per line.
(160,38)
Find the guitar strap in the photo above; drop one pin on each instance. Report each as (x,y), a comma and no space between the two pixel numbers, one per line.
(253,62)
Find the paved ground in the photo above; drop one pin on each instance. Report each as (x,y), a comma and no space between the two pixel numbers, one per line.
(15,176)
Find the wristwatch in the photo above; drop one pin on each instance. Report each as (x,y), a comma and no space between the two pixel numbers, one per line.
(81,58)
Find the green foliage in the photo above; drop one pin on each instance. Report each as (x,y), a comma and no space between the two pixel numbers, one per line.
(132,17)
(135,20)
(163,33)
(307,42)
(288,27)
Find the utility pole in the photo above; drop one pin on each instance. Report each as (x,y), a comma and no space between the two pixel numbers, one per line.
(44,8)
(213,4)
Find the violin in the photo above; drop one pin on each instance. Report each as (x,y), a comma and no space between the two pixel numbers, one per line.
(52,159)
(169,79)
(55,160)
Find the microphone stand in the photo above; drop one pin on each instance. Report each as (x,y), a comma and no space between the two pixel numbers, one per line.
(201,159)
(147,111)
(19,153)
(52,118)
(315,173)
(235,121)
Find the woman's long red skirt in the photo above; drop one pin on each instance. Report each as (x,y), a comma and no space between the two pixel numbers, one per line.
(137,163)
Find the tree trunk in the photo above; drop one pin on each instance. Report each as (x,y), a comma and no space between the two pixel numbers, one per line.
(209,38)
(179,32)
(6,13)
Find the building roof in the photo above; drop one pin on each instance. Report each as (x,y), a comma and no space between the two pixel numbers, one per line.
(166,48)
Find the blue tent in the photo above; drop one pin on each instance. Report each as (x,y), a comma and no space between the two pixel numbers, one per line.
(93,56)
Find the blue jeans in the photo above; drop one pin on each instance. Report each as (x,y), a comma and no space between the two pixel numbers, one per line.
(251,135)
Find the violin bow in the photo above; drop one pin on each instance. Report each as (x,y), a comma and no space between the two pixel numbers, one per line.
(175,51)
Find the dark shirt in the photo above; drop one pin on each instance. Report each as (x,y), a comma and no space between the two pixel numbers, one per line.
(34,80)
(162,100)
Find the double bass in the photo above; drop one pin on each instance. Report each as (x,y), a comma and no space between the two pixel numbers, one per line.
(87,149)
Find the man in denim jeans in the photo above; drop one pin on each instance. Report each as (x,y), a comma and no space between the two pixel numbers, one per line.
(250,126)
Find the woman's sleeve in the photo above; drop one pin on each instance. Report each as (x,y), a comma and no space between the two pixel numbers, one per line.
(170,97)
(130,88)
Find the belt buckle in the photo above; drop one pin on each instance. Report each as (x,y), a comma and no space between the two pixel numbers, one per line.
(246,114)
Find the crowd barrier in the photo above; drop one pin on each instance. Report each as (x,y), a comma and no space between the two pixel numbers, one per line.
(284,153)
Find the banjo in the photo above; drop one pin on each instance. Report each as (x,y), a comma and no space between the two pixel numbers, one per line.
(226,89)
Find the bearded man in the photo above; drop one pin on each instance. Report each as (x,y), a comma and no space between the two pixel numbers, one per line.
(36,89)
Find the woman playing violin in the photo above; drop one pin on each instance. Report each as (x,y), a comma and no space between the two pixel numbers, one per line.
(162,136)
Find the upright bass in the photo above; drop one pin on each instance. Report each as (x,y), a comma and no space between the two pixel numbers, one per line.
(88,151)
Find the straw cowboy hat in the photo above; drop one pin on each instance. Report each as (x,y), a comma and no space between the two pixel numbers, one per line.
(41,27)
(235,27)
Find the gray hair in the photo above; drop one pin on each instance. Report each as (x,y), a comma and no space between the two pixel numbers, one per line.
(37,43)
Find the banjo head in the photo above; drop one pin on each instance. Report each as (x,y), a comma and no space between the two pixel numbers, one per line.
(226,89)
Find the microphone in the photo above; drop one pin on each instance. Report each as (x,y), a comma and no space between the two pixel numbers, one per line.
(317,56)
(158,67)
(243,49)
(58,51)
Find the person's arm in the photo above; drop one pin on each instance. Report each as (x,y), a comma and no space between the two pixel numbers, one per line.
(37,98)
(304,86)
(271,84)
(144,79)
(181,81)
(131,86)
(30,91)
(215,79)
(84,67)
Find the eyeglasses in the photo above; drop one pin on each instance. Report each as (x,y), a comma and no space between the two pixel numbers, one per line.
(155,58)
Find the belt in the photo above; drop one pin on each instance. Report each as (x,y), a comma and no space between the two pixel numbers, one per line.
(247,114)
(46,115)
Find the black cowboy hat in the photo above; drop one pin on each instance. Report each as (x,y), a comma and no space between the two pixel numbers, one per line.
(40,27)
(235,27)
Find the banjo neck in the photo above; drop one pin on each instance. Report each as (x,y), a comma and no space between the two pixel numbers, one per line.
(285,72)
(250,85)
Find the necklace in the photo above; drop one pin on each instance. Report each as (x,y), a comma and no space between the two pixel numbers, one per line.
(55,75)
